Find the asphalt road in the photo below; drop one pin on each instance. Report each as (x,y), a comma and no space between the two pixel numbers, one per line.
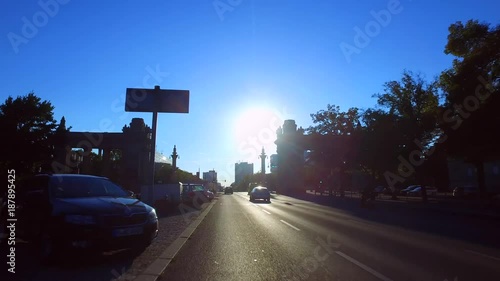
(290,239)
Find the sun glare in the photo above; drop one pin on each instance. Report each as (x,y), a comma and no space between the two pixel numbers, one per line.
(255,122)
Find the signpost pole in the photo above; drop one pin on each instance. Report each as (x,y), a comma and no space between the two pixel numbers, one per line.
(152,157)
(155,100)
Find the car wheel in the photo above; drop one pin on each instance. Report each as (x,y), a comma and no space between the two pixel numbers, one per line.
(144,243)
(49,250)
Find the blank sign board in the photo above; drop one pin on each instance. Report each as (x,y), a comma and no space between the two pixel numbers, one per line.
(157,100)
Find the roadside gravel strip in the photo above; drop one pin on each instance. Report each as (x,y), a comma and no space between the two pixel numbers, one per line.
(158,260)
(174,230)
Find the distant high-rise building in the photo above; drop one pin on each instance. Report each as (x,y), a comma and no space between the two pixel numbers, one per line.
(210,176)
(274,163)
(241,170)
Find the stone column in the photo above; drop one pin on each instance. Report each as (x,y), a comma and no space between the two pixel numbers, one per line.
(85,168)
(105,161)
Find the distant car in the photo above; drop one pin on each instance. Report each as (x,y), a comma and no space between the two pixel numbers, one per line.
(195,194)
(380,190)
(62,213)
(260,193)
(466,191)
(228,190)
(430,191)
(408,189)
(387,191)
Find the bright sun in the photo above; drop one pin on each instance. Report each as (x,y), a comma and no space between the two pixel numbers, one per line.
(257,122)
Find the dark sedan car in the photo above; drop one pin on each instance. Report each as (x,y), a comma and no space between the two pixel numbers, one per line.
(65,212)
(260,193)
(228,190)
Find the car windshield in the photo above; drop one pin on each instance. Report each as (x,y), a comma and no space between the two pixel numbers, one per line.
(76,187)
(194,188)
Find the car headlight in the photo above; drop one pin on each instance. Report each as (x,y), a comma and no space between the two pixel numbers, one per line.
(152,216)
(80,219)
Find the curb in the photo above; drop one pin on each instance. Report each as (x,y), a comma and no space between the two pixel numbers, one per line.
(156,268)
(438,209)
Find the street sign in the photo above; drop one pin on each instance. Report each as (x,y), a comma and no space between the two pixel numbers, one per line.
(157,100)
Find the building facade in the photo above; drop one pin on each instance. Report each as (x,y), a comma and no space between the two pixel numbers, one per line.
(241,170)
(274,163)
(210,176)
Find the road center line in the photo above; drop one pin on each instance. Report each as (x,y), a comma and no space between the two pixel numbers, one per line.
(290,225)
(367,268)
(266,212)
(483,255)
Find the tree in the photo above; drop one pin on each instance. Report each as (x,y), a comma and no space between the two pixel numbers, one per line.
(167,174)
(412,105)
(332,121)
(380,143)
(28,124)
(335,136)
(470,120)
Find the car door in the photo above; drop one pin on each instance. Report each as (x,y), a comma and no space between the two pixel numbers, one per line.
(34,206)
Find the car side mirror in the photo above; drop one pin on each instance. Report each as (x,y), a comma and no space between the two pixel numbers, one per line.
(132,194)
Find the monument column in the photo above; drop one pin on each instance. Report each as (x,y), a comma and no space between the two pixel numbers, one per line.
(86,160)
(105,161)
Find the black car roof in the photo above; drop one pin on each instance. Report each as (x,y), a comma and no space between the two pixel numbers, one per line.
(70,176)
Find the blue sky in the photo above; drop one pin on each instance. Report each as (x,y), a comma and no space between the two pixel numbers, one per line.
(248,64)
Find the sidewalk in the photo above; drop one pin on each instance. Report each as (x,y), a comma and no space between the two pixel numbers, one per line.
(442,205)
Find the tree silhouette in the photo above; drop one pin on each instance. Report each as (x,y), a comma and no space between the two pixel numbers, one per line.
(470,120)
(28,125)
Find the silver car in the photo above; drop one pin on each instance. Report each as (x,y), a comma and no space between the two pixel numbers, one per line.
(260,193)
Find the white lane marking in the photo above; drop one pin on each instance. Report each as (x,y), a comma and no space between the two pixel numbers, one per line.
(483,255)
(266,212)
(255,205)
(367,268)
(290,225)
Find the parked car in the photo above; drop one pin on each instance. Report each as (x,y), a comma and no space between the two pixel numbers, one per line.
(66,212)
(195,194)
(387,191)
(210,195)
(430,191)
(260,193)
(382,190)
(466,191)
(228,190)
(408,189)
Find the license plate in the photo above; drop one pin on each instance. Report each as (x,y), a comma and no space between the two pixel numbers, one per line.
(127,231)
